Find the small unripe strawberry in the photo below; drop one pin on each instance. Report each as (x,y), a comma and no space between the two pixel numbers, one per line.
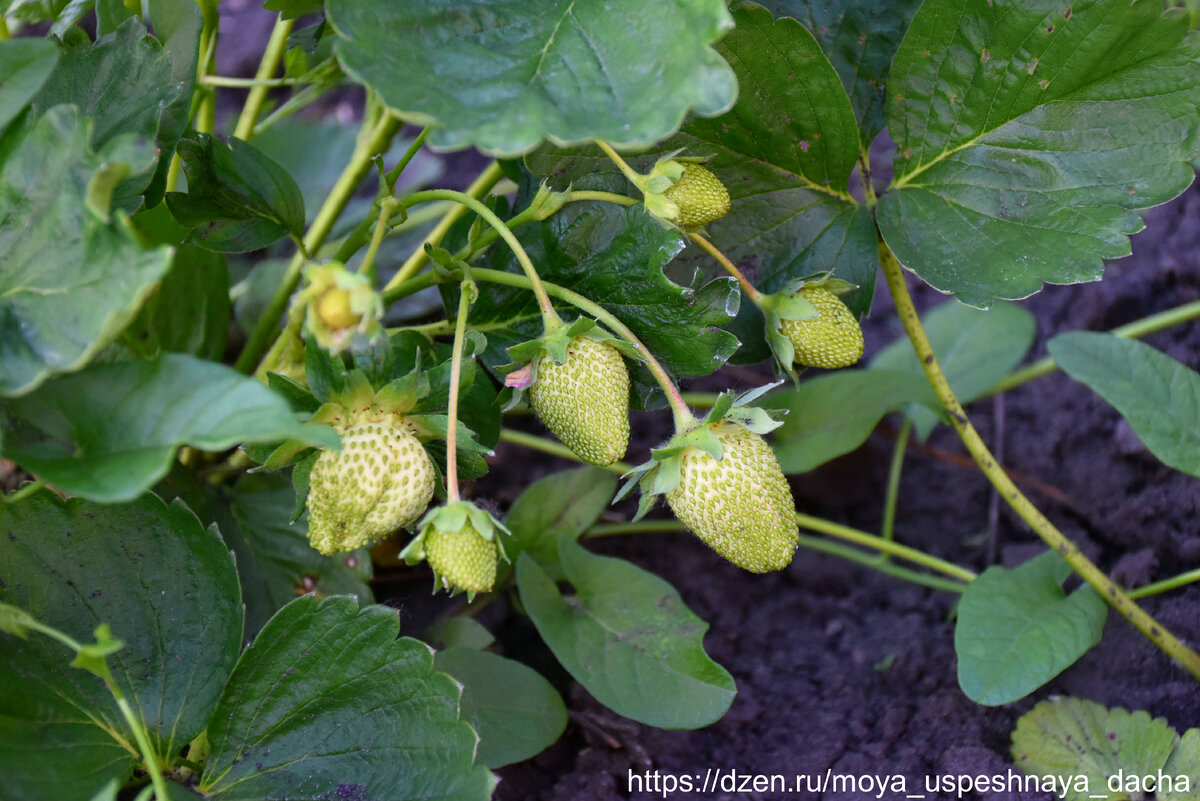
(585,400)
(381,480)
(740,505)
(700,195)
(830,340)
(464,559)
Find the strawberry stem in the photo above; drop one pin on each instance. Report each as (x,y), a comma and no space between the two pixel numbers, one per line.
(1049,533)
(262,78)
(888,529)
(630,173)
(729,266)
(483,184)
(550,318)
(386,208)
(465,290)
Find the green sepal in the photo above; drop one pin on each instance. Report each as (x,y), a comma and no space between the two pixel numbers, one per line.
(437,426)
(522,372)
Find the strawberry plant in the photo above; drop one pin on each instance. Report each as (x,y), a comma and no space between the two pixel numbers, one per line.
(248,355)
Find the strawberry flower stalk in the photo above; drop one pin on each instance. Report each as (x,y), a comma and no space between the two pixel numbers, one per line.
(459,540)
(722,480)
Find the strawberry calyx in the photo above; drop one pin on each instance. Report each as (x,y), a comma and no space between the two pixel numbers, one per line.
(660,474)
(461,542)
(789,303)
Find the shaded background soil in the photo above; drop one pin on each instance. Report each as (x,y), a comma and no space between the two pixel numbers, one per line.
(842,669)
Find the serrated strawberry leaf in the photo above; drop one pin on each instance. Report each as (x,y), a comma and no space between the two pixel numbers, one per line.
(238,199)
(167,589)
(785,152)
(25,64)
(1067,738)
(616,256)
(1029,136)
(71,275)
(1159,396)
(515,711)
(190,312)
(328,702)
(624,71)
(628,638)
(127,84)
(110,431)
(860,37)
(1018,628)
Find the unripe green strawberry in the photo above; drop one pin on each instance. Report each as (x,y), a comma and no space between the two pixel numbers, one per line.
(700,195)
(741,505)
(464,559)
(585,400)
(381,480)
(830,340)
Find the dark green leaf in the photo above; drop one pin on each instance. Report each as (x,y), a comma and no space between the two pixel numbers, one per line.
(515,711)
(859,37)
(177,24)
(615,256)
(833,414)
(625,71)
(1065,738)
(976,349)
(109,16)
(126,84)
(628,638)
(238,199)
(327,702)
(168,590)
(1017,629)
(190,311)
(1159,396)
(109,432)
(459,631)
(1029,135)
(785,153)
(562,504)
(275,562)
(70,278)
(290,9)
(24,66)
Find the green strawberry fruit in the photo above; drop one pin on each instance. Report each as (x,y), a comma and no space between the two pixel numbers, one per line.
(464,559)
(700,195)
(381,480)
(740,505)
(830,340)
(585,400)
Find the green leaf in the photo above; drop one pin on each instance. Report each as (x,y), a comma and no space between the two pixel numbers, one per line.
(126,84)
(562,504)
(1028,137)
(624,71)
(833,414)
(190,312)
(785,153)
(976,350)
(1159,396)
(1184,762)
(459,631)
(1017,629)
(109,432)
(290,9)
(70,280)
(860,37)
(275,562)
(627,637)
(515,711)
(24,66)
(168,590)
(616,256)
(327,702)
(1068,738)
(238,199)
